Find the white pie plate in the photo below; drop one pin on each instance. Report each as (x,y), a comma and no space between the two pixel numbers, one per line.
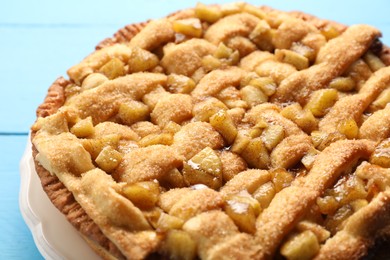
(54,236)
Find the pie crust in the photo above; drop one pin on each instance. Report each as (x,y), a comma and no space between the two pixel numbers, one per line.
(218,145)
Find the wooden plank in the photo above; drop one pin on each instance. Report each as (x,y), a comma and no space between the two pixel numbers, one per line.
(119,12)
(11,151)
(32,59)
(42,45)
(16,239)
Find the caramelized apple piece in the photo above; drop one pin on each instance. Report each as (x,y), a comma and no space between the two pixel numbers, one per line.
(168,222)
(210,63)
(318,137)
(153,97)
(95,146)
(108,159)
(223,52)
(256,154)
(321,140)
(330,32)
(382,100)
(93,80)
(299,61)
(302,117)
(223,123)
(204,168)
(321,100)
(172,128)
(141,60)
(241,142)
(381,155)
(205,109)
(300,246)
(373,61)
(132,112)
(256,131)
(152,215)
(225,55)
(351,190)
(243,210)
(231,97)
(321,233)
(179,245)
(113,69)
(206,13)
(281,179)
(262,36)
(265,84)
(190,27)
(180,84)
(264,194)
(253,96)
(344,84)
(349,128)
(233,59)
(334,223)
(358,204)
(359,71)
(253,10)
(83,128)
(272,136)
(143,194)
(153,139)
(304,50)
(173,179)
(232,8)
(327,205)
(250,75)
(309,158)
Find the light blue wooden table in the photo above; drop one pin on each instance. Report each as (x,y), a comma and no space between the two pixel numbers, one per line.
(40,39)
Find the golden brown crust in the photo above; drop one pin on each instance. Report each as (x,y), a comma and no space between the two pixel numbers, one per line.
(332,60)
(63,199)
(122,35)
(65,202)
(317,22)
(380,49)
(352,242)
(101,251)
(373,129)
(55,98)
(293,202)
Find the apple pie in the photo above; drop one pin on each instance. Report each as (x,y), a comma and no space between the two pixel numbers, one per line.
(223,132)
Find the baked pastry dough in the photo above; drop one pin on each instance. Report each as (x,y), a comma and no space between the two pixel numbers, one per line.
(223,132)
